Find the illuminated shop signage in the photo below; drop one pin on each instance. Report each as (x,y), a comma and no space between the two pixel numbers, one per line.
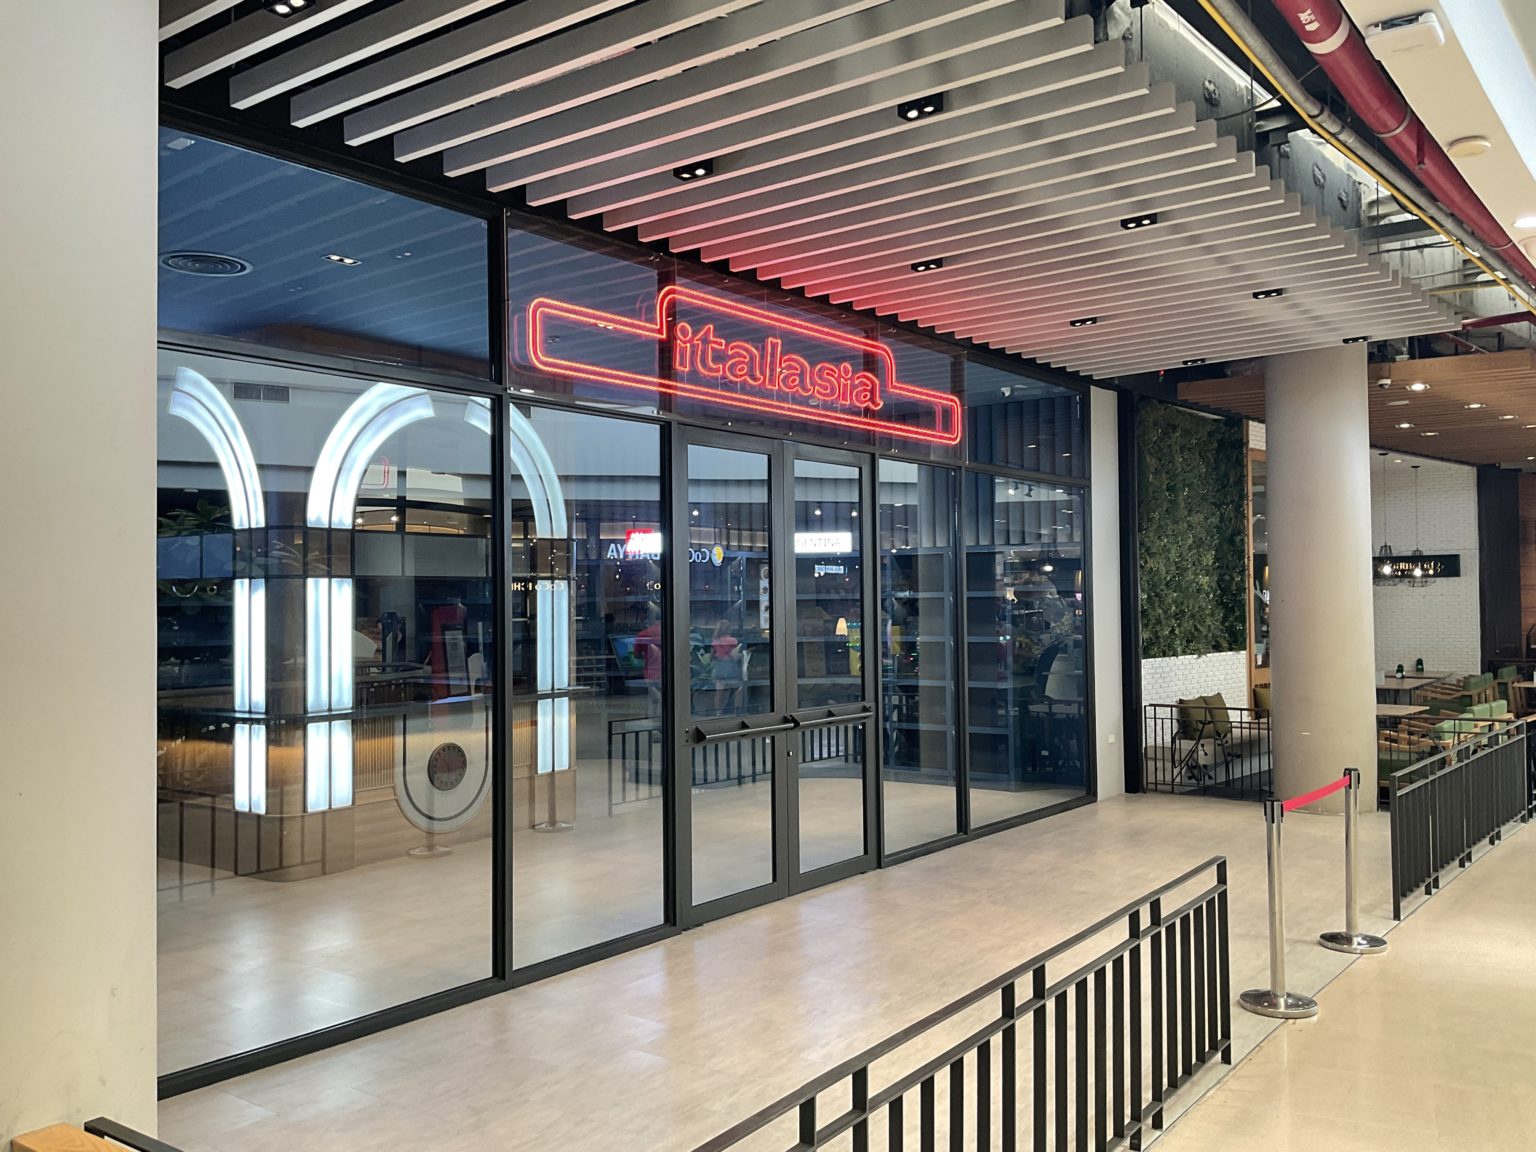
(811,543)
(729,354)
(1418,567)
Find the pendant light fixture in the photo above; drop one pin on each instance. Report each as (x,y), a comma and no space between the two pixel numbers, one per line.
(1383,570)
(1417,575)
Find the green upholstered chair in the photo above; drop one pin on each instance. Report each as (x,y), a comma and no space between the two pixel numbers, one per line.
(1503,681)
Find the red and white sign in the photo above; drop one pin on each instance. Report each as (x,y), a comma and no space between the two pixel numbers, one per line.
(780,365)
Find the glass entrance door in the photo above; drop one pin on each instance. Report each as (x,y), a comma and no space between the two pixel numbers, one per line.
(774,714)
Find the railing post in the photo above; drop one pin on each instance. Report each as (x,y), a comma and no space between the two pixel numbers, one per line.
(1352,939)
(1275,1001)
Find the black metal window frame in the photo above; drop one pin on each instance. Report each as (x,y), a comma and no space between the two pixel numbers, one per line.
(494,386)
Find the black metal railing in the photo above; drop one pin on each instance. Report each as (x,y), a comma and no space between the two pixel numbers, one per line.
(127,1137)
(1086,1059)
(1207,751)
(1445,805)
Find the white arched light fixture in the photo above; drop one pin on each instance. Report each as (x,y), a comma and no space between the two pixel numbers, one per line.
(203,406)
(552,595)
(373,417)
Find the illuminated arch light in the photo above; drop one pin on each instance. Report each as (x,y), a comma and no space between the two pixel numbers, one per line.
(552,596)
(195,400)
(373,418)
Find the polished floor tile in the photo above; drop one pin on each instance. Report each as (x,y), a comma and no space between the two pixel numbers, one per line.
(662,1047)
(1426,1048)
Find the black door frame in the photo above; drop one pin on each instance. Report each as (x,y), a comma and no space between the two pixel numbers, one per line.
(780,720)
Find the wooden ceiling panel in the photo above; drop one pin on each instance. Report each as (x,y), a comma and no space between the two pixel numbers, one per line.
(1502,431)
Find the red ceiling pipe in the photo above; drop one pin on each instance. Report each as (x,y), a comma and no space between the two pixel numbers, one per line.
(1326,29)
(1498,321)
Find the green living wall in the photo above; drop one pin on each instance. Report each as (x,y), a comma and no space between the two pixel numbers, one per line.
(1192,511)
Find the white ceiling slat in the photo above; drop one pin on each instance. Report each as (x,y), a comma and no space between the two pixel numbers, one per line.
(1036,310)
(971,110)
(397,25)
(665,67)
(1023,220)
(1111,258)
(1341,292)
(609,42)
(247,36)
(1101,187)
(790,189)
(969,60)
(176,16)
(498,32)
(1255,209)
(855,50)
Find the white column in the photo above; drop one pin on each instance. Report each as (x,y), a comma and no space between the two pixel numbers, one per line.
(1321,612)
(78,85)
(1108,682)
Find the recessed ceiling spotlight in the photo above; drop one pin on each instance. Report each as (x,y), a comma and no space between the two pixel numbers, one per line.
(1468,147)
(1429,433)
(695,171)
(928,265)
(1356,339)
(1525,222)
(1083,321)
(345,261)
(1195,361)
(1145,220)
(284,8)
(1506,417)
(1405,424)
(1474,405)
(1418,386)
(922,106)
(1269,293)
(1396,403)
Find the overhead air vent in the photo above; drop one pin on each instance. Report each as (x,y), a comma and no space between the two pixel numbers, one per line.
(265,393)
(205,264)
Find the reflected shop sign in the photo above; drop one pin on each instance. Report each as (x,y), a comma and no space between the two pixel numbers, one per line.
(729,355)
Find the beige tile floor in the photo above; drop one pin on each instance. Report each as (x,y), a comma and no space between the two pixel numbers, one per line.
(663,1047)
(1427,1048)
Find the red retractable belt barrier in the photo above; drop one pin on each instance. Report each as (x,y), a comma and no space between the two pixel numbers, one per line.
(1327,31)
(1315,795)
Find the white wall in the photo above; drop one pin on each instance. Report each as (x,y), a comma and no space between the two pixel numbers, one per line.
(1169,679)
(78,82)
(1108,695)
(1440,623)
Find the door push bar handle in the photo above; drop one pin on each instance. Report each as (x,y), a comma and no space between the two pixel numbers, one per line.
(739,727)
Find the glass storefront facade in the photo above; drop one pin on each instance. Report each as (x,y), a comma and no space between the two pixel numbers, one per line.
(474,667)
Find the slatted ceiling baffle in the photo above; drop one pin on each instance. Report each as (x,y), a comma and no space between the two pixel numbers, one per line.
(373,36)
(177,16)
(1046,141)
(246,37)
(480,39)
(997,45)
(902,171)
(640,44)
(858,52)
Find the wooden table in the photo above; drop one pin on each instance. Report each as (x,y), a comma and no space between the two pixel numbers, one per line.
(1403,684)
(1399,711)
(1522,691)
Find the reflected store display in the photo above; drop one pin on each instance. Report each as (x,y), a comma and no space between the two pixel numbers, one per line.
(327,655)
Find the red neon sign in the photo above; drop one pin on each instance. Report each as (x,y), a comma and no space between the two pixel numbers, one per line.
(827,376)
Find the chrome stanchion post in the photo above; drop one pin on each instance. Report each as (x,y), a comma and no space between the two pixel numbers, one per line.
(1352,939)
(1275,1000)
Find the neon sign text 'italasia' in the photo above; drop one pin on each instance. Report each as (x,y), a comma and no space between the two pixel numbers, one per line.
(731,355)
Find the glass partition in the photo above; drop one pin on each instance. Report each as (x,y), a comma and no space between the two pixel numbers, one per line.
(327,654)
(1025,615)
(584,537)
(919,623)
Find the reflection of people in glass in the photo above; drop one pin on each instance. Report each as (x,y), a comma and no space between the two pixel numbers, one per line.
(725,664)
(648,647)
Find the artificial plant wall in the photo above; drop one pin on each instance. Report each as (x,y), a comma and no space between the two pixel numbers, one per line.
(1192,510)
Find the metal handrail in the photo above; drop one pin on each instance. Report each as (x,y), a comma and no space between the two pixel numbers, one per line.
(1040,994)
(128,1137)
(739,727)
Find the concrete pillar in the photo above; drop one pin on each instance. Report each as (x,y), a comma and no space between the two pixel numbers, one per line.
(1321,612)
(78,83)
